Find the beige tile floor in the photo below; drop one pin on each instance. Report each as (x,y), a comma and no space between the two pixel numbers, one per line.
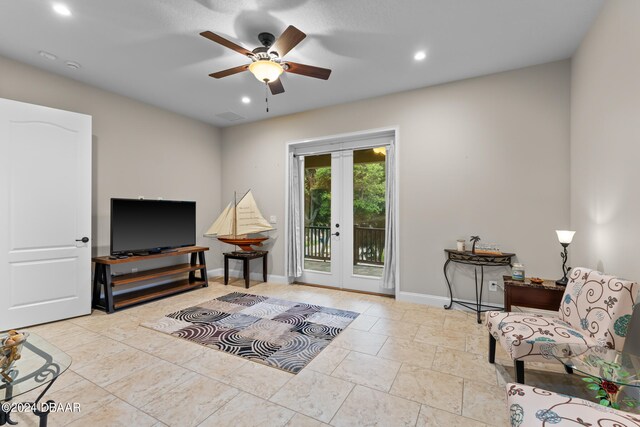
(398,364)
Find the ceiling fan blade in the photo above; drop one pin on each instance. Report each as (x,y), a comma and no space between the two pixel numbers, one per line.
(288,40)
(308,70)
(276,87)
(229,72)
(226,43)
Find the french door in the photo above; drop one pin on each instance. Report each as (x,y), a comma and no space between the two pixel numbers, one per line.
(344,214)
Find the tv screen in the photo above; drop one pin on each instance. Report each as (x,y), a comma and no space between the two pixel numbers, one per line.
(151,225)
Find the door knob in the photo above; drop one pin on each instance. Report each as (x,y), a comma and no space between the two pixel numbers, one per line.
(83,240)
(337,225)
(337,234)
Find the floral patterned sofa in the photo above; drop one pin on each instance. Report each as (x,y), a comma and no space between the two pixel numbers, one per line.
(595,311)
(529,407)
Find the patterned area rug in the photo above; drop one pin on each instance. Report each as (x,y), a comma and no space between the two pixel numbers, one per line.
(279,333)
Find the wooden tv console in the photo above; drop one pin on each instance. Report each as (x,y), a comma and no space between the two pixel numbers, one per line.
(103,281)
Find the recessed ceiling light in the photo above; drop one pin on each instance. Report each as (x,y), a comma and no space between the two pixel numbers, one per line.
(61,9)
(419,56)
(73,65)
(246,100)
(47,55)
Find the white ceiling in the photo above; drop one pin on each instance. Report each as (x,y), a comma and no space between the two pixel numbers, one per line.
(151,49)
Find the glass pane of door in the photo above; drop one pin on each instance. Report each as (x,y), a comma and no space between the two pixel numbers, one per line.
(317,213)
(369,211)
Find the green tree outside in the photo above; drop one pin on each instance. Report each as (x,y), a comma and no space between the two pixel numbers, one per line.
(368,195)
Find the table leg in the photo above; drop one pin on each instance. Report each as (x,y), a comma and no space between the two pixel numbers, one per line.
(43,415)
(103,277)
(475,277)
(108,289)
(226,270)
(203,271)
(448,306)
(481,286)
(192,274)
(264,268)
(5,417)
(97,272)
(245,268)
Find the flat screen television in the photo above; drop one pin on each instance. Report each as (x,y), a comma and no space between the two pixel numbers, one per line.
(141,226)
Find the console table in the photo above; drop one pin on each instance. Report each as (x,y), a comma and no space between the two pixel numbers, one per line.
(102,278)
(476,260)
(523,293)
(245,258)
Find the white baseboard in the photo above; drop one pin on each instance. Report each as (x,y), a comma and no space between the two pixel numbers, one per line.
(435,300)
(413,297)
(271,278)
(425,299)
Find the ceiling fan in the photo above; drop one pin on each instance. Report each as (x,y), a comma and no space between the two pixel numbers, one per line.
(266,60)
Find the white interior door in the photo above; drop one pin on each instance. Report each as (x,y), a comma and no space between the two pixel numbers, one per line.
(346,251)
(45,209)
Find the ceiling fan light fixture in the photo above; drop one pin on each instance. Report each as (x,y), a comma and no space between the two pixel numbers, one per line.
(265,70)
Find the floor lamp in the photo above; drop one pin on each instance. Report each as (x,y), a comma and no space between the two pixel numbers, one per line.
(564,237)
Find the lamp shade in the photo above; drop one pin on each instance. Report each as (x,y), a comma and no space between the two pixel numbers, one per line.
(265,70)
(565,236)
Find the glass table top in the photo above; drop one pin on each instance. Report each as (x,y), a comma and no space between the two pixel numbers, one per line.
(600,362)
(40,363)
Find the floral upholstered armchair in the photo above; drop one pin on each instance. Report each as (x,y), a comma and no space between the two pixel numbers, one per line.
(529,407)
(595,311)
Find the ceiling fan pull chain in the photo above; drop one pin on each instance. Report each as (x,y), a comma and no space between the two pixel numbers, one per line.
(266,94)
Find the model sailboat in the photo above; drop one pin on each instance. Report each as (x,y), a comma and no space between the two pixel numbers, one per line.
(238,220)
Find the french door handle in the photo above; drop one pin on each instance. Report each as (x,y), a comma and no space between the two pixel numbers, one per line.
(83,240)
(337,234)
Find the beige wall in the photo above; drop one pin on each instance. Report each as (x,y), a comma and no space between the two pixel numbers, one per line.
(485,156)
(605,135)
(605,142)
(137,149)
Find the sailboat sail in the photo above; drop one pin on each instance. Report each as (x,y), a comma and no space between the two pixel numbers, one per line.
(240,219)
(249,218)
(224,225)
